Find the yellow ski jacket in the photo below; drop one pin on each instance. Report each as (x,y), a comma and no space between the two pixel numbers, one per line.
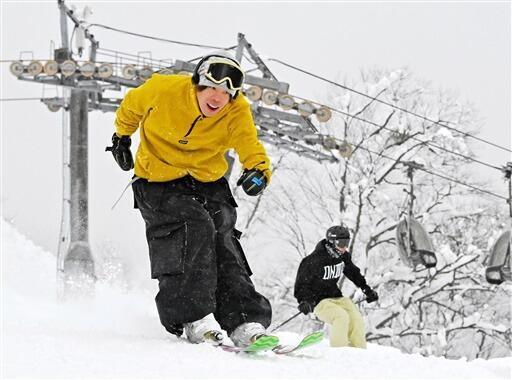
(176,139)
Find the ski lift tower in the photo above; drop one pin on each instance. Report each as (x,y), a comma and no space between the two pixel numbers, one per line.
(75,266)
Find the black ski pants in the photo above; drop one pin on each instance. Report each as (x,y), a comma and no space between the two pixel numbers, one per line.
(195,254)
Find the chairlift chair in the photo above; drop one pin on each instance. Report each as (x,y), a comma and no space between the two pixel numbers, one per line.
(498,269)
(420,250)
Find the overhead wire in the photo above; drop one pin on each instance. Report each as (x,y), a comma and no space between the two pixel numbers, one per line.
(388,104)
(419,140)
(16,99)
(157,38)
(430,143)
(427,170)
(430,171)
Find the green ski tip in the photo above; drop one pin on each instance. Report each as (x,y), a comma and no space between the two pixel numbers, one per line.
(263,343)
(312,339)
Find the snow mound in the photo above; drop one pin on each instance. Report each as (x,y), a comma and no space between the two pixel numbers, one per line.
(117,334)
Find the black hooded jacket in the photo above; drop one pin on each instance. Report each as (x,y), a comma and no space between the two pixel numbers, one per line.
(319,273)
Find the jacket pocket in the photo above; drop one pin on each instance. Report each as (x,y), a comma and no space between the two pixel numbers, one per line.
(167,249)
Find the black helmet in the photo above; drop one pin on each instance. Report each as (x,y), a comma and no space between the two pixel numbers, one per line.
(338,236)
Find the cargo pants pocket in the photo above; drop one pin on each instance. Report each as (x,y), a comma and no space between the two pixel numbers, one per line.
(167,249)
(236,237)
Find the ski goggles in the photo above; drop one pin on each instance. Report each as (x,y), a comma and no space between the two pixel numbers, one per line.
(341,243)
(221,70)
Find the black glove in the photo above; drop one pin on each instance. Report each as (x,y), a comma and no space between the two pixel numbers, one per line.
(306,307)
(371,295)
(253,181)
(121,151)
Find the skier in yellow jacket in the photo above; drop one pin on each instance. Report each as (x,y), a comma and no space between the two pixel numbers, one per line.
(186,126)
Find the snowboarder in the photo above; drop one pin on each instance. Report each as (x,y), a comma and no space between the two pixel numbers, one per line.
(187,124)
(317,290)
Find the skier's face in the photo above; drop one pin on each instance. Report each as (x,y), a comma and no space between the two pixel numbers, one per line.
(211,100)
(341,250)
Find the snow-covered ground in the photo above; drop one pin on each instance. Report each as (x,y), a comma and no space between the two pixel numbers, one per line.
(117,335)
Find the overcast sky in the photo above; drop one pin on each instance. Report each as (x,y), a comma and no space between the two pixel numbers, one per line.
(459,46)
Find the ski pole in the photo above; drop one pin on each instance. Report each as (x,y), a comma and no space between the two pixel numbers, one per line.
(285,322)
(297,314)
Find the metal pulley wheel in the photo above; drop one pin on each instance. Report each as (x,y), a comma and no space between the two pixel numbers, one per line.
(51,67)
(68,68)
(286,102)
(105,70)
(145,73)
(306,109)
(254,93)
(269,98)
(53,107)
(129,72)
(345,149)
(87,69)
(35,68)
(16,68)
(323,114)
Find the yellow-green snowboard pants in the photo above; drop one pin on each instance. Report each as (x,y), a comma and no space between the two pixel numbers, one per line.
(345,320)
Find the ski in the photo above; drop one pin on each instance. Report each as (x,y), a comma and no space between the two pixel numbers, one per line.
(307,341)
(262,344)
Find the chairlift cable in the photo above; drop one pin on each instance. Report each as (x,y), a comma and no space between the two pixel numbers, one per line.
(412,137)
(438,175)
(16,99)
(154,38)
(389,104)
